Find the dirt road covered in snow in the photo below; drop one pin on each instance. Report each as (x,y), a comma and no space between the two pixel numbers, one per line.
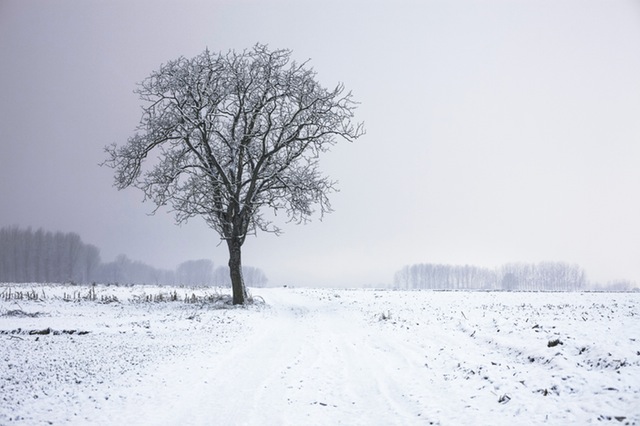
(333,357)
(307,360)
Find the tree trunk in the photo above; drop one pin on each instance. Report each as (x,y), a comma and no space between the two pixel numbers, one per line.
(235,269)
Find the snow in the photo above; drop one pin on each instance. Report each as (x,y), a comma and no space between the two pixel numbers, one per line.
(319,356)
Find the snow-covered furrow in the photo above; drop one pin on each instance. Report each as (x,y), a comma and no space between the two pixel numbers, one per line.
(503,359)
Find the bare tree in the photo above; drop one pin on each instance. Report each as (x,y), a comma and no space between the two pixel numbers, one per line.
(234,134)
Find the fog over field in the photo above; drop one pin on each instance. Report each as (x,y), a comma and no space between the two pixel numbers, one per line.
(497,131)
(478,263)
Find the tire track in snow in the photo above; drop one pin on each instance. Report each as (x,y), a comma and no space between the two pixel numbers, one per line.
(336,372)
(298,361)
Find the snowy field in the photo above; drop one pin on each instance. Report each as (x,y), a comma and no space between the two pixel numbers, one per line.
(310,356)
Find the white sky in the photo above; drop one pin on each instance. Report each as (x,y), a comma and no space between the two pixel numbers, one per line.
(497,131)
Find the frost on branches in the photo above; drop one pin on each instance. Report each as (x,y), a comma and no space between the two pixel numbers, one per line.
(223,136)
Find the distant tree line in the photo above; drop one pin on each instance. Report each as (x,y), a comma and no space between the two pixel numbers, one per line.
(549,276)
(434,276)
(56,257)
(616,285)
(41,256)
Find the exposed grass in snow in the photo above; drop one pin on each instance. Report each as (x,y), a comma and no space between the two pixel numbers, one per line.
(154,355)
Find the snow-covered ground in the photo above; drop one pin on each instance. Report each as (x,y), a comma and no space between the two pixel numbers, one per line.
(311,356)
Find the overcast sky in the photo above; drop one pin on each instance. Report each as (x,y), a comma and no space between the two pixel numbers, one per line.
(497,131)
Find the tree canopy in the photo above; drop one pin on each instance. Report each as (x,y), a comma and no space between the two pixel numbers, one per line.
(225,136)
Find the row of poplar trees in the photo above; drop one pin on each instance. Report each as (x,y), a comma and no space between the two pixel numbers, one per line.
(42,256)
(550,276)
(28,256)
